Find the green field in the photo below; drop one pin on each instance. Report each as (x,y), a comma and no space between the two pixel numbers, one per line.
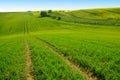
(83,45)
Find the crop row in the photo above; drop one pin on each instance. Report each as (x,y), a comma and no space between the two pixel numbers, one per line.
(49,66)
(97,54)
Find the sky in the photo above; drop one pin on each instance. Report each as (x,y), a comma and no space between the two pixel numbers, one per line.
(33,5)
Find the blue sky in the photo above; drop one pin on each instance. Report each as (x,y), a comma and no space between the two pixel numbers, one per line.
(24,5)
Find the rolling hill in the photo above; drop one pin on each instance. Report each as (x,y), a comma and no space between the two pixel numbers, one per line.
(15,23)
(110,16)
(83,45)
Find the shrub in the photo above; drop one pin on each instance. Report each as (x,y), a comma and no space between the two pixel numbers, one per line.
(59,18)
(43,14)
(49,11)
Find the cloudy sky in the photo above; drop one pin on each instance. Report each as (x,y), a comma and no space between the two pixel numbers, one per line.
(25,5)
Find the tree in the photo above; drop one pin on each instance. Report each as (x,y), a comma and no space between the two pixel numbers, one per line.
(49,11)
(43,14)
(59,18)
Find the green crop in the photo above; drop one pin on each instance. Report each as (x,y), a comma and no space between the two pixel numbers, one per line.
(98,53)
(12,59)
(88,38)
(48,65)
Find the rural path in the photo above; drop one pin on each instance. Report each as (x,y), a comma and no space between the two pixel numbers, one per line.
(28,62)
(87,74)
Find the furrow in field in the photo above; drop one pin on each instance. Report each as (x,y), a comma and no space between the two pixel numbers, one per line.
(24,28)
(28,62)
(87,74)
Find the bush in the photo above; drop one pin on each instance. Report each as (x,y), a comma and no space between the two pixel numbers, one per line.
(49,11)
(59,18)
(43,14)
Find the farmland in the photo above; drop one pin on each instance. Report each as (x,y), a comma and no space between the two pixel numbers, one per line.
(107,16)
(12,59)
(83,45)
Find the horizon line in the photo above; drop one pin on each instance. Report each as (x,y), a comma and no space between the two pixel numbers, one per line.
(60,9)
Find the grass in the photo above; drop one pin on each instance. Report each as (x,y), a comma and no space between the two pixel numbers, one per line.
(12,59)
(89,38)
(18,23)
(43,61)
(91,16)
(93,51)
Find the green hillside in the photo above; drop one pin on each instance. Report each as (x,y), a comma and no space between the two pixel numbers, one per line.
(110,16)
(15,23)
(83,45)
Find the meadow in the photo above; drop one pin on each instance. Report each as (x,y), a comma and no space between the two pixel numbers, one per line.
(83,45)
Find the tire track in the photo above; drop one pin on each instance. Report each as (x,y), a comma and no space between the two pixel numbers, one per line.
(26,28)
(87,74)
(28,62)
(28,57)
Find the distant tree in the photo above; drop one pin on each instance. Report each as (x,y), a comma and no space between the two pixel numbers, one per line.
(49,11)
(43,14)
(59,18)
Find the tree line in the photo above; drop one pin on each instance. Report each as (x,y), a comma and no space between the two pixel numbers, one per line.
(47,14)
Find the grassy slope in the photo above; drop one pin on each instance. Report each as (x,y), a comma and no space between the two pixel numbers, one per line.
(110,16)
(15,23)
(72,33)
(11,23)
